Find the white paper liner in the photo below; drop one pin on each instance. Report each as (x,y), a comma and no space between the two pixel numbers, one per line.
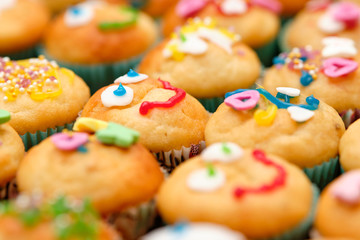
(171,159)
(135,221)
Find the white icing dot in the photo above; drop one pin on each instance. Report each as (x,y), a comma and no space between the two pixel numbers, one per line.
(6,4)
(5,98)
(79,15)
(300,114)
(201,180)
(338,47)
(126,79)
(222,152)
(194,231)
(292,92)
(329,25)
(234,7)
(109,99)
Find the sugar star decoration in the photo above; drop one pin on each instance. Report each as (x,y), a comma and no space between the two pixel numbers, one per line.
(118,135)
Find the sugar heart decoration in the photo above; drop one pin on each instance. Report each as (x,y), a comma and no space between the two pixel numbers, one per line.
(338,67)
(118,135)
(244,100)
(69,142)
(272,5)
(347,13)
(187,8)
(347,187)
(300,114)
(4,116)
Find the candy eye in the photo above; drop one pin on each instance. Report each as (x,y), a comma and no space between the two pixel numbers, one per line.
(79,15)
(206,180)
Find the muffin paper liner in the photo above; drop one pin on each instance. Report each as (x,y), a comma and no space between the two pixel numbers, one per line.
(268,52)
(324,173)
(350,116)
(9,190)
(97,76)
(300,232)
(211,104)
(31,139)
(171,159)
(27,53)
(134,222)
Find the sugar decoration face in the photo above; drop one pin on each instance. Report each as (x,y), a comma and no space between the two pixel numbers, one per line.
(239,99)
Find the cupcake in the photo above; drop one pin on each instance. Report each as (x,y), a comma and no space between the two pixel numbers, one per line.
(244,17)
(22,23)
(171,123)
(245,190)
(323,19)
(184,231)
(26,218)
(303,131)
(291,7)
(332,74)
(11,153)
(41,97)
(99,40)
(205,61)
(74,170)
(338,210)
(348,149)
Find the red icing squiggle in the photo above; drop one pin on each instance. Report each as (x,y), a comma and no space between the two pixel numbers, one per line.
(276,183)
(180,95)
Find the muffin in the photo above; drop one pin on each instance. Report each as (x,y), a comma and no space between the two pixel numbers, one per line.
(11,153)
(290,7)
(323,19)
(26,218)
(241,180)
(171,123)
(75,170)
(303,131)
(332,74)
(22,23)
(109,39)
(155,8)
(348,149)
(205,61)
(41,97)
(244,17)
(338,209)
(208,231)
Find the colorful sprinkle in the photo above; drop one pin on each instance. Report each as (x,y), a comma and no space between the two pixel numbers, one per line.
(306,78)
(347,188)
(69,141)
(338,67)
(243,101)
(90,125)
(347,13)
(211,170)
(272,5)
(188,8)
(267,117)
(178,97)
(118,135)
(4,116)
(300,114)
(133,15)
(278,181)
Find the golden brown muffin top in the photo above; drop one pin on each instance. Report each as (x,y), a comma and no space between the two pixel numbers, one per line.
(178,121)
(227,184)
(21,25)
(246,19)
(305,132)
(338,208)
(102,33)
(11,149)
(109,168)
(349,149)
(27,218)
(39,94)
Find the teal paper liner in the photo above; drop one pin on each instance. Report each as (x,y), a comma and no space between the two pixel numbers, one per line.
(97,76)
(324,173)
(300,232)
(211,104)
(32,139)
(283,46)
(24,54)
(134,222)
(268,52)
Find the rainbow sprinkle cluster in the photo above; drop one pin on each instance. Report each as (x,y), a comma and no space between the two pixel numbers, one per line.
(36,77)
(297,60)
(191,28)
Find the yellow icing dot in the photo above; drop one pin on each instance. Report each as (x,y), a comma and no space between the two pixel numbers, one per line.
(265,118)
(90,125)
